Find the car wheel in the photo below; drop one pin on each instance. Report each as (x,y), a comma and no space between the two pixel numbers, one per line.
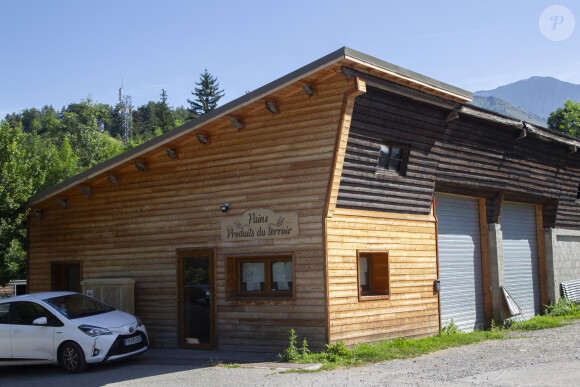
(72,358)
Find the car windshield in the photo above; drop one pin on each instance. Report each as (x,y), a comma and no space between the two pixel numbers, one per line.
(77,305)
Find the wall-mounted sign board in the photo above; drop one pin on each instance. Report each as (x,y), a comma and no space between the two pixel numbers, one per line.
(260,224)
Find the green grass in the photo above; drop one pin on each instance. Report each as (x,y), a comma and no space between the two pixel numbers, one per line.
(338,355)
(556,315)
(229,365)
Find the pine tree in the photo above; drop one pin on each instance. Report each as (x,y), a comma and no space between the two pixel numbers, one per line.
(206,95)
(164,114)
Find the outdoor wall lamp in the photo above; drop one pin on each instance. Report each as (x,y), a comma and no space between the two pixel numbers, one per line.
(225,207)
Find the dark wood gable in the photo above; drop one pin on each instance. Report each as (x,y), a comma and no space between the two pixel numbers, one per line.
(466,156)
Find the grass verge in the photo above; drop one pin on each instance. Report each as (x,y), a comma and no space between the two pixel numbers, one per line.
(338,355)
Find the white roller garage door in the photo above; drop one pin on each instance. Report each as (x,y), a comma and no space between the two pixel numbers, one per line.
(520,256)
(458,239)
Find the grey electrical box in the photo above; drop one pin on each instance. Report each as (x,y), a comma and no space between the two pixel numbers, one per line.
(437,285)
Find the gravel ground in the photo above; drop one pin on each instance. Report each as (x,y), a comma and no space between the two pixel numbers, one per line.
(549,357)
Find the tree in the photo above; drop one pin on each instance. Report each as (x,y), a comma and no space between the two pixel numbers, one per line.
(566,119)
(164,115)
(206,95)
(20,173)
(84,127)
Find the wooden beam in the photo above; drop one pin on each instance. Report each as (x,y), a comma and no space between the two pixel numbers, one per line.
(492,117)
(452,116)
(141,165)
(497,208)
(87,191)
(171,152)
(541,247)
(485,269)
(237,123)
(113,178)
(358,88)
(395,88)
(521,134)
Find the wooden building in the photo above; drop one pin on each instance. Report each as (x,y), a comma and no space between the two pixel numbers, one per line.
(350,200)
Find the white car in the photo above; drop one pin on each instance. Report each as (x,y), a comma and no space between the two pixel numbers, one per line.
(66,328)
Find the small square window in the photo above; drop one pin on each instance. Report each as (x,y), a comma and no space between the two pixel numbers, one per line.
(373,275)
(393,158)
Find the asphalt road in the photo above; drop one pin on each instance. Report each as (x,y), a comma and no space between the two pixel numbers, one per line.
(542,358)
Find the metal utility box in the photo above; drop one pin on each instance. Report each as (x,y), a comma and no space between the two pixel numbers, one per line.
(117,292)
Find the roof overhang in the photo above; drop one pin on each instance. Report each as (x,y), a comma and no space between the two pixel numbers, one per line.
(342,57)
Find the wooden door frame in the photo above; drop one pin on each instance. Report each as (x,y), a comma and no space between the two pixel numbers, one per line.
(184,253)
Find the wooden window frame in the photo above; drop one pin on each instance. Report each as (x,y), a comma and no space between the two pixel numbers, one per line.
(235,277)
(404,159)
(369,295)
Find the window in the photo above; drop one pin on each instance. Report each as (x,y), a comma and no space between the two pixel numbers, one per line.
(373,275)
(4,313)
(261,276)
(26,312)
(393,158)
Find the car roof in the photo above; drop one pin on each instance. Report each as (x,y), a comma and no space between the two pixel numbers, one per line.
(37,296)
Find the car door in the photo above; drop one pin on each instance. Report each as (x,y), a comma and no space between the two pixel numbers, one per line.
(31,341)
(5,342)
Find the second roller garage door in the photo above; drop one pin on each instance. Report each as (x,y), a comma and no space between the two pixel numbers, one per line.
(520,256)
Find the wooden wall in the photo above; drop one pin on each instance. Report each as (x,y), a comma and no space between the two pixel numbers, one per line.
(412,309)
(466,156)
(279,162)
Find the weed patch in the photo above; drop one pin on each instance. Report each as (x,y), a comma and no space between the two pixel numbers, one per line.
(339,355)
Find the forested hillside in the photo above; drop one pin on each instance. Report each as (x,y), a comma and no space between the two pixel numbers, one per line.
(40,148)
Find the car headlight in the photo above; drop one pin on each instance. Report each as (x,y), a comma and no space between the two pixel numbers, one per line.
(139,321)
(94,331)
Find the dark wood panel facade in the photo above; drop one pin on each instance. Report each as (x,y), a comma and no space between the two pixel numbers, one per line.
(465,156)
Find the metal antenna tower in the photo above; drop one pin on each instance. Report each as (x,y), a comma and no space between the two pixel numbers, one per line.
(126,106)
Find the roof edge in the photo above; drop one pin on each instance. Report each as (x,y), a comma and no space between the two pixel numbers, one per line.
(261,92)
(189,126)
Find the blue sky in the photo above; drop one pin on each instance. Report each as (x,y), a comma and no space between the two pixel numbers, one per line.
(60,51)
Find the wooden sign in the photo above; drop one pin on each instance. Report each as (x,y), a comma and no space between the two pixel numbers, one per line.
(260,224)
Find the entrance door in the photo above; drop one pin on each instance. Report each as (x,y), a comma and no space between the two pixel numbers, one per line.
(65,276)
(196,315)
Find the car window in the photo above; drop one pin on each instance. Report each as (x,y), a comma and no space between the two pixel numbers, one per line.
(4,313)
(78,305)
(27,312)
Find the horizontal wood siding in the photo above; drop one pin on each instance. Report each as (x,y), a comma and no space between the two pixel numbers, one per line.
(133,229)
(412,308)
(465,156)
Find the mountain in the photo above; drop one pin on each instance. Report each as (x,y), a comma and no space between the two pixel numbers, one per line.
(502,107)
(537,95)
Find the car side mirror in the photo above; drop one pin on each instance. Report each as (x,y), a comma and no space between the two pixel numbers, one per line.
(40,321)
